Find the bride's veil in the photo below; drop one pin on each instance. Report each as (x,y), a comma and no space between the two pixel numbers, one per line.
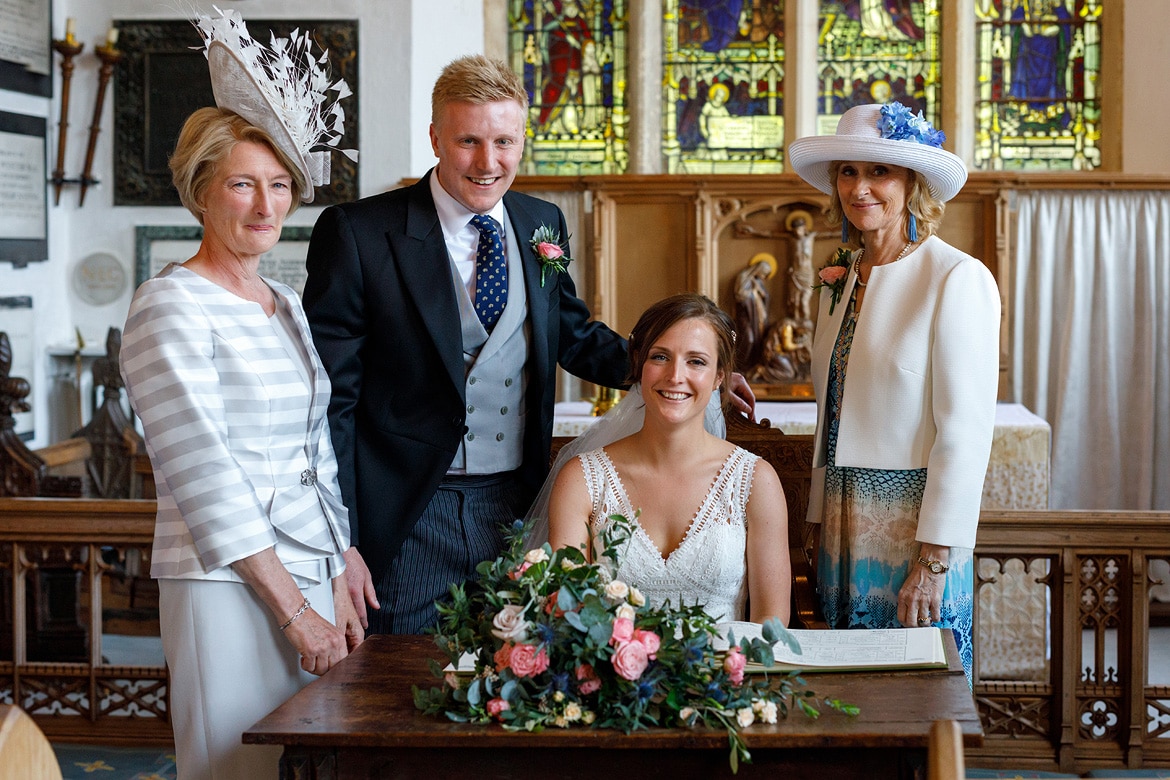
(619,422)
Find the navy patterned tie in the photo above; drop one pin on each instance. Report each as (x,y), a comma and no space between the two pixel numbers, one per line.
(491,272)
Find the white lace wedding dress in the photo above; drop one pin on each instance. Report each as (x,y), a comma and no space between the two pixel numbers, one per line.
(709,567)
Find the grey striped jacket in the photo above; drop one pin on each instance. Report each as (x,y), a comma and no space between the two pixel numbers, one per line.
(241,454)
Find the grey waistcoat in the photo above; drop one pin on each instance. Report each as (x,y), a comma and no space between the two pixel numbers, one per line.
(495,377)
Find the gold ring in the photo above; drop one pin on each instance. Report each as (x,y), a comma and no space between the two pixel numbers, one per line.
(924,621)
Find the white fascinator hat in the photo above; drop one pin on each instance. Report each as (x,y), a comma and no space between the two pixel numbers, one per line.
(282,89)
(888,133)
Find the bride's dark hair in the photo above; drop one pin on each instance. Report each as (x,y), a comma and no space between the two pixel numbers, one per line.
(661,316)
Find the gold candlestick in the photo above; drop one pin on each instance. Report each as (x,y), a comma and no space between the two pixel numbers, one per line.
(606,399)
(109,57)
(68,49)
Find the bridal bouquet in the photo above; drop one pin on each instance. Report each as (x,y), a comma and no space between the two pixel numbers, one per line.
(547,639)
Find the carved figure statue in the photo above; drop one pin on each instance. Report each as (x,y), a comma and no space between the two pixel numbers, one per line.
(751,307)
(785,355)
(800,271)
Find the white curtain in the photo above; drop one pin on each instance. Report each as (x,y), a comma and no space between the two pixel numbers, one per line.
(1091,346)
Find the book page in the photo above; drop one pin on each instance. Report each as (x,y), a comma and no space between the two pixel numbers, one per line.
(851,649)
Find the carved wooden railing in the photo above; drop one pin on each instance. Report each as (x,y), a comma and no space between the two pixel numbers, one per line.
(1085,708)
(70,569)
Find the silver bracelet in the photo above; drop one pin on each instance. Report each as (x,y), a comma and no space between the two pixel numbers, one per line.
(296,614)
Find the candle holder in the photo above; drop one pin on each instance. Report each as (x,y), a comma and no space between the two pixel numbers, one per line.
(606,399)
(68,49)
(109,57)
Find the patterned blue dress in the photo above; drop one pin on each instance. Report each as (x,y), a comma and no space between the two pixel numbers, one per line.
(867,534)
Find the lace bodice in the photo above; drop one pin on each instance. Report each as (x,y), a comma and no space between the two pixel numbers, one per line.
(709,567)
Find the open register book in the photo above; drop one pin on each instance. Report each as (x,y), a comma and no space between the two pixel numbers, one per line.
(844,651)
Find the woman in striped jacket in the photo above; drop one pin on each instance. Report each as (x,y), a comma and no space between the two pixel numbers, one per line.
(220,367)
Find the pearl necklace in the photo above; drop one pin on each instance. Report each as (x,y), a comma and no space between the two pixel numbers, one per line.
(861,254)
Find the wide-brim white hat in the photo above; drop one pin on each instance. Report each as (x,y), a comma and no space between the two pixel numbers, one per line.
(236,89)
(860,137)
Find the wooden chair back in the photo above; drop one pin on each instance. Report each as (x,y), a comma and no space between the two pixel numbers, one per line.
(791,457)
(24,750)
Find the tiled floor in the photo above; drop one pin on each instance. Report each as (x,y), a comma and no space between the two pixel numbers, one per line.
(86,762)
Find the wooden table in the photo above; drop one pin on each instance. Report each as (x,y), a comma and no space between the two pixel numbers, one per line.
(359,721)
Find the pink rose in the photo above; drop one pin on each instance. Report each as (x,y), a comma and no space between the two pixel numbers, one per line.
(503,655)
(528,661)
(496,706)
(518,572)
(588,682)
(549,250)
(623,631)
(831,274)
(734,663)
(630,660)
(648,640)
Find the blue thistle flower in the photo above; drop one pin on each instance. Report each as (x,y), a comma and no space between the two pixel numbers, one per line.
(560,681)
(899,123)
(716,692)
(645,690)
(545,633)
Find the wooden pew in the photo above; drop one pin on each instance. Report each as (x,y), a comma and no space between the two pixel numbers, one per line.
(104,459)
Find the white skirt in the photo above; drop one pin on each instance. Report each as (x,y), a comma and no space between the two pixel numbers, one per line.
(230,665)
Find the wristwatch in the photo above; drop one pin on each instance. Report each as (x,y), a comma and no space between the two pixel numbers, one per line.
(936,567)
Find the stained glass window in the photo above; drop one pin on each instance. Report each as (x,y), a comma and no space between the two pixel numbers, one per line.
(875,51)
(572,55)
(1039,104)
(723,97)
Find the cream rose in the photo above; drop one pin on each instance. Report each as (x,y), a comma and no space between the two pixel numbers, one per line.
(617,590)
(745,717)
(509,624)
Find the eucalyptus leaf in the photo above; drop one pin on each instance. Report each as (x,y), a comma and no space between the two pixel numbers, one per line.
(475,693)
(774,631)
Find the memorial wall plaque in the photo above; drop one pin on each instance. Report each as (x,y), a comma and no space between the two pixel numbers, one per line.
(26,57)
(23,195)
(163,77)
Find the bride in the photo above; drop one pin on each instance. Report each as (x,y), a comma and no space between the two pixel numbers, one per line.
(709,520)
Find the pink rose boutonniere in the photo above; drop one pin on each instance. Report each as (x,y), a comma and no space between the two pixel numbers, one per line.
(833,274)
(546,243)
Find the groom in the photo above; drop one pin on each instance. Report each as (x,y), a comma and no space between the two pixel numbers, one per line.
(441,340)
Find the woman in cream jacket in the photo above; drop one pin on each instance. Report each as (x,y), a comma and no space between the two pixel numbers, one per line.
(220,367)
(905,368)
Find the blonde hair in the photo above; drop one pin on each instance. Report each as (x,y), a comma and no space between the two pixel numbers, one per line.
(208,136)
(927,209)
(476,79)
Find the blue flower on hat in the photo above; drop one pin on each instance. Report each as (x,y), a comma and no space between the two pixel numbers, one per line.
(898,123)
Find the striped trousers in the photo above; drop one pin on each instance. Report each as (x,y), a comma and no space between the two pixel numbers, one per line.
(461,526)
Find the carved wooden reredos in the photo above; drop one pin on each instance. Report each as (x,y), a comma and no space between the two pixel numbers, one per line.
(638,239)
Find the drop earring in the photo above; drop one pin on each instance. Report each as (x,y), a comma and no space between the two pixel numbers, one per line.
(845,231)
(912,229)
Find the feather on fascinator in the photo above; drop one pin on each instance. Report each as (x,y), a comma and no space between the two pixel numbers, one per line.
(282,89)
